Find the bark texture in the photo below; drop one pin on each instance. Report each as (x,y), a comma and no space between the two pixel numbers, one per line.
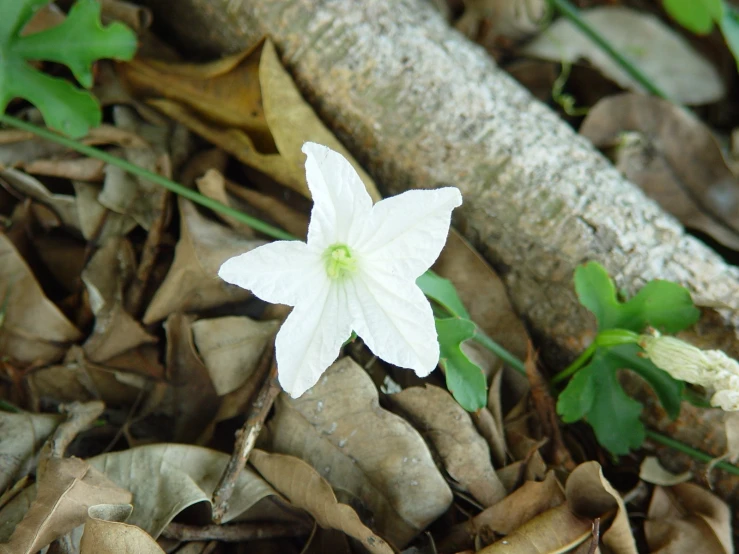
(422,107)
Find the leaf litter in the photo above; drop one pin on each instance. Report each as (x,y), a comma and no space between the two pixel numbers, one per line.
(142,323)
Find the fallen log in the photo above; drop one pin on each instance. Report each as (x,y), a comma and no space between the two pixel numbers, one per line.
(421,106)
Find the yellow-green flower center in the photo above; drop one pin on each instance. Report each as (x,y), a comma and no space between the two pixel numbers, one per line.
(340,261)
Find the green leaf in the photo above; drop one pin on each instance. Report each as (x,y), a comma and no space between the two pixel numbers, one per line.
(442,292)
(730,29)
(77,43)
(697,16)
(464,379)
(661,304)
(594,394)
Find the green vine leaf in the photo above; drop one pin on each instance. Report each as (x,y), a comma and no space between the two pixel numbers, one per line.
(464,379)
(77,43)
(442,292)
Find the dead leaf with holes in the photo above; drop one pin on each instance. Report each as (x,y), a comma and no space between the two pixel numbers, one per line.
(451,432)
(371,457)
(673,157)
(192,283)
(306,489)
(69,486)
(685,518)
(665,58)
(33,330)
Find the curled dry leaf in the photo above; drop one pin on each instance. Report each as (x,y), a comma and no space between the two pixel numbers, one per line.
(231,348)
(213,185)
(184,475)
(306,489)
(674,157)
(651,471)
(685,518)
(450,430)
(69,486)
(590,495)
(106,532)
(33,330)
(369,455)
(22,436)
(97,223)
(660,53)
(64,206)
(192,283)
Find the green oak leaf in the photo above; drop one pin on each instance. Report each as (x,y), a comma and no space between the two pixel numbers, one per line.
(77,43)
(442,292)
(464,379)
(661,304)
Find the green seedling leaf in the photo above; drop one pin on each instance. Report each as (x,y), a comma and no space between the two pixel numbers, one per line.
(660,304)
(464,379)
(442,292)
(697,16)
(77,43)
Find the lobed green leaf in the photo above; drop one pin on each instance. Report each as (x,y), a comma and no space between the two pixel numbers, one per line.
(464,379)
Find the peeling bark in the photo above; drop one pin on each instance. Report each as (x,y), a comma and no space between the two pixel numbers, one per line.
(423,107)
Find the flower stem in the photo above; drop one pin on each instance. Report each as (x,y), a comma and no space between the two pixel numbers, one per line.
(581,360)
(253,222)
(573,14)
(482,339)
(692,452)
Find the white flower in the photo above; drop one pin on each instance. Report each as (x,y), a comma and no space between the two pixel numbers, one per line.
(357,272)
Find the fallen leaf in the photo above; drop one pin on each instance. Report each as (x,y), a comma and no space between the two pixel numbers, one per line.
(107,533)
(651,471)
(22,435)
(450,430)
(231,348)
(98,223)
(80,169)
(192,283)
(63,205)
(67,489)
(33,330)
(182,475)
(664,57)
(213,185)
(306,489)
(686,518)
(370,456)
(590,495)
(673,157)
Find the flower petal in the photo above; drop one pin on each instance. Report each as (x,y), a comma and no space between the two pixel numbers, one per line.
(340,200)
(395,320)
(311,338)
(279,272)
(405,233)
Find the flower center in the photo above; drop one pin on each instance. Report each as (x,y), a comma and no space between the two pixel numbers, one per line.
(339,261)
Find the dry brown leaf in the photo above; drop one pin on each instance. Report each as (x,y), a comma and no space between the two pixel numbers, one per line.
(483,294)
(213,185)
(552,532)
(231,348)
(370,456)
(67,489)
(665,58)
(191,399)
(192,283)
(450,430)
(291,220)
(651,471)
(106,533)
(21,436)
(185,475)
(292,121)
(137,18)
(306,489)
(97,223)
(64,206)
(80,169)
(674,157)
(590,495)
(33,329)
(686,518)
(484,20)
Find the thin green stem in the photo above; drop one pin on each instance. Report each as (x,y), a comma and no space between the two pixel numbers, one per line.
(573,14)
(253,222)
(690,451)
(482,339)
(581,360)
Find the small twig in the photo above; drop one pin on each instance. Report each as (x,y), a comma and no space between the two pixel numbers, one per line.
(596,536)
(80,416)
(245,439)
(235,532)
